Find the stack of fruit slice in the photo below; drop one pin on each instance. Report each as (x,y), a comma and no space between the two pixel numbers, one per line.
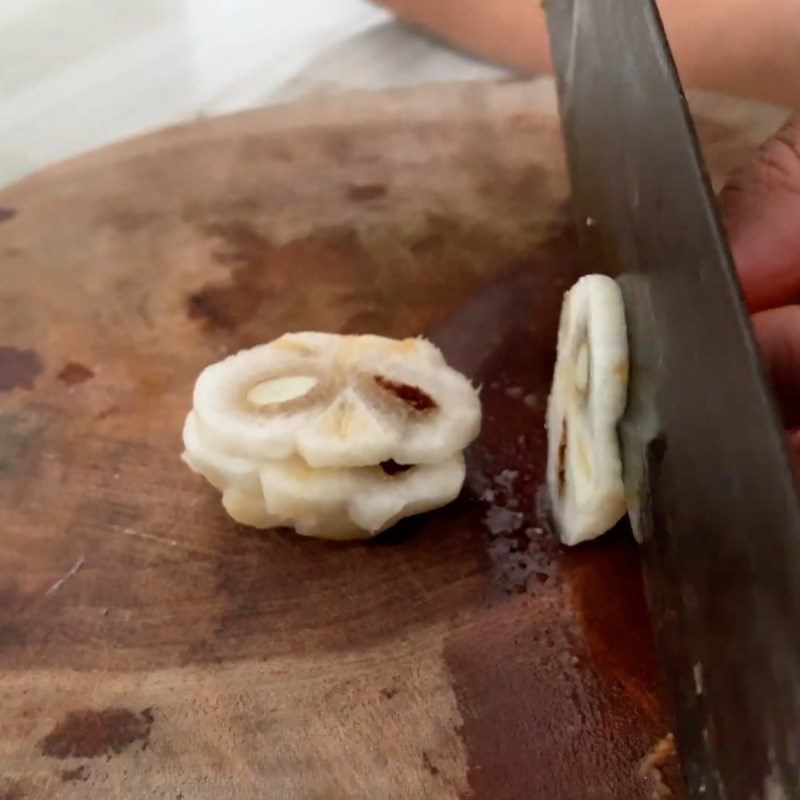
(335,436)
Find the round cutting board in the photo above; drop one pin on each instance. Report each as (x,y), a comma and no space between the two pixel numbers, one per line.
(149,646)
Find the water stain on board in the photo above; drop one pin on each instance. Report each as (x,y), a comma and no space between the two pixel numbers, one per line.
(226,304)
(21,435)
(263,278)
(11,789)
(355,279)
(364,192)
(126,220)
(80,773)
(74,372)
(429,766)
(19,368)
(7,214)
(90,734)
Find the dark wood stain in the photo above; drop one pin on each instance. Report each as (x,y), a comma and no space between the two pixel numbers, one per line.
(338,146)
(364,192)
(225,305)
(80,773)
(6,214)
(11,790)
(260,273)
(89,734)
(428,764)
(74,372)
(348,276)
(21,434)
(127,221)
(19,368)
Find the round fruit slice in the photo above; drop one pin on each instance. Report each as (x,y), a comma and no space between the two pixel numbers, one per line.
(587,399)
(249,509)
(338,401)
(247,408)
(218,468)
(356,502)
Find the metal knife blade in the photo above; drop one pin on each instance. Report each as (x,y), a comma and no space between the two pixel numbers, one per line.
(710,483)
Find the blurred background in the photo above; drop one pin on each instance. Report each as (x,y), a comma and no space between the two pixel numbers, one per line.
(76,74)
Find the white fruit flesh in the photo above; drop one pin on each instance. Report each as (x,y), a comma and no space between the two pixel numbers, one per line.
(279,390)
(347,434)
(249,509)
(312,431)
(218,468)
(366,399)
(233,424)
(368,498)
(588,397)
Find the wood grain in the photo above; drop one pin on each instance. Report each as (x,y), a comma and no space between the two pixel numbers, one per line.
(151,647)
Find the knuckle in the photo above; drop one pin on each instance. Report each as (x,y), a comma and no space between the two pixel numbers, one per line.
(779,158)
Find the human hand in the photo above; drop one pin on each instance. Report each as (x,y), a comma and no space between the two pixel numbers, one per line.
(734,46)
(761,211)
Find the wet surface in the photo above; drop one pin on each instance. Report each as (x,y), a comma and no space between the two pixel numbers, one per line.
(19,368)
(557,680)
(549,650)
(89,734)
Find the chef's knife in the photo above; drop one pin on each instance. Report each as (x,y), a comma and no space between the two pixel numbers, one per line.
(708,476)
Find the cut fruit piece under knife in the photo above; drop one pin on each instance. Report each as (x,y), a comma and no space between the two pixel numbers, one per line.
(587,399)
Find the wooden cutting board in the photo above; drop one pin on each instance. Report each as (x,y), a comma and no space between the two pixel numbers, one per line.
(150,647)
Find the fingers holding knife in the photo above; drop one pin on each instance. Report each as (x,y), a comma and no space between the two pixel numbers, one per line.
(761,210)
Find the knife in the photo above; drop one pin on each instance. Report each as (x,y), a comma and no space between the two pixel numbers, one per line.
(710,485)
